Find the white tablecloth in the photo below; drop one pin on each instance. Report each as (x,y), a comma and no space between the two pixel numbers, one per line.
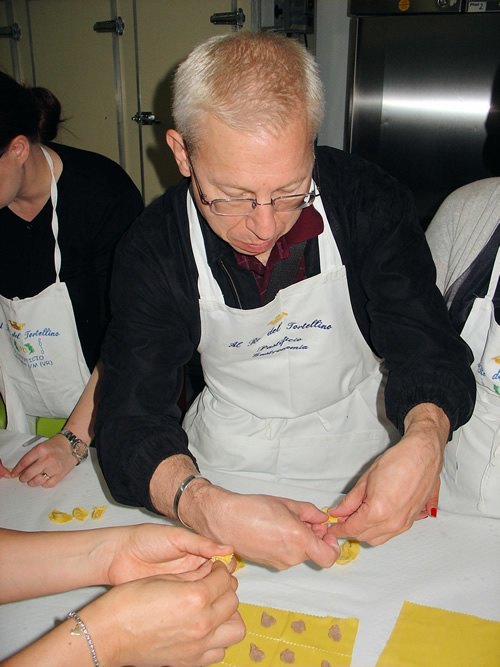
(451,562)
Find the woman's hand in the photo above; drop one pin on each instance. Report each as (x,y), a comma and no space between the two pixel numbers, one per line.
(140,551)
(163,620)
(100,556)
(46,463)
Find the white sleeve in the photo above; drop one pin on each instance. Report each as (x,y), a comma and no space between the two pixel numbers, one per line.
(461,228)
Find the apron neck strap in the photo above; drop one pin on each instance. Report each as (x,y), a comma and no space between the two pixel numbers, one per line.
(494,276)
(55,219)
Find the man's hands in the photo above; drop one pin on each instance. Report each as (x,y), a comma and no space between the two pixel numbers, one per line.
(399,488)
(276,532)
(402,484)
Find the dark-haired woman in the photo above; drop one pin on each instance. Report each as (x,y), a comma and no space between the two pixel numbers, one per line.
(62,212)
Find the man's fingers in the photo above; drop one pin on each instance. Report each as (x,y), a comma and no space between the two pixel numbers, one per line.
(351,502)
(355,526)
(365,526)
(309,513)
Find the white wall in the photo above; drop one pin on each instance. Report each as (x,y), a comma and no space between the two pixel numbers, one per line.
(332,37)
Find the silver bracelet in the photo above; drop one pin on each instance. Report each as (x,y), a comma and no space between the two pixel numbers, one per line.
(81,629)
(182,487)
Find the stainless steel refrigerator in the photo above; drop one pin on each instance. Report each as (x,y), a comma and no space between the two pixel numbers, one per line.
(424,92)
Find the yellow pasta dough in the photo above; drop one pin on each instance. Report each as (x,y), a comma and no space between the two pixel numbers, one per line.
(60,517)
(97,512)
(276,638)
(226,559)
(331,519)
(80,513)
(349,550)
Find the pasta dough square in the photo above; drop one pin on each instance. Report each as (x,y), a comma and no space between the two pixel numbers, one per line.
(430,637)
(276,638)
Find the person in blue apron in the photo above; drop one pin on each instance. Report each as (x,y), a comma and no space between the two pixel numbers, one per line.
(302,278)
(62,211)
(464,237)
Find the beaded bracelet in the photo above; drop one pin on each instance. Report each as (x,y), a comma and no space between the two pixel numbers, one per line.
(81,629)
(182,487)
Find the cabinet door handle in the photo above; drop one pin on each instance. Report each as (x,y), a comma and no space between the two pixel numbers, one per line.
(13,31)
(113,25)
(236,18)
(145,118)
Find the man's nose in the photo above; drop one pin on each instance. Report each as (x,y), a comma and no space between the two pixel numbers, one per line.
(262,222)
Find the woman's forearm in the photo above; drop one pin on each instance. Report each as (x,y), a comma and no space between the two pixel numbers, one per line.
(90,636)
(41,563)
(81,420)
(58,648)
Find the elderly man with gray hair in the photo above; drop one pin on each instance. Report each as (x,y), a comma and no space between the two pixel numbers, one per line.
(302,278)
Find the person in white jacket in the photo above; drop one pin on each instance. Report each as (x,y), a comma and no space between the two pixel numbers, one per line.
(464,238)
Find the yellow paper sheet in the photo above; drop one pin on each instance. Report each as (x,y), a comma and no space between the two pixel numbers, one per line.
(276,638)
(430,637)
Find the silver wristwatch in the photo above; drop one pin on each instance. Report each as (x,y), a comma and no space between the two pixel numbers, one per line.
(79,449)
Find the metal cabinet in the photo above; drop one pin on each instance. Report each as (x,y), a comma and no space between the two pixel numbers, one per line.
(110,64)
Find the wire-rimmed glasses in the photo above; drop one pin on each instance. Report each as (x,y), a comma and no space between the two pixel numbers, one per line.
(247,205)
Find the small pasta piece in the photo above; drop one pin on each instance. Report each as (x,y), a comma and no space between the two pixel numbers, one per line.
(226,559)
(80,513)
(97,512)
(56,516)
(349,550)
(331,519)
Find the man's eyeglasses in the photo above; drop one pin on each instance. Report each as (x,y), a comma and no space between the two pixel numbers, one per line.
(247,205)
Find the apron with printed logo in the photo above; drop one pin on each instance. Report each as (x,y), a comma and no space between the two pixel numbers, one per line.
(293,391)
(470,481)
(42,368)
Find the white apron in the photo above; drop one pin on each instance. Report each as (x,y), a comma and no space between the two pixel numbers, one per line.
(470,481)
(42,367)
(293,391)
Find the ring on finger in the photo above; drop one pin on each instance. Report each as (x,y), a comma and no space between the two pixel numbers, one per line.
(45,476)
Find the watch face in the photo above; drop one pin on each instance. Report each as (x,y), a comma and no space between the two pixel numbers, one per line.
(81,450)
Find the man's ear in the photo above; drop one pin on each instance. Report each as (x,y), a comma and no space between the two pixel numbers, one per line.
(176,145)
